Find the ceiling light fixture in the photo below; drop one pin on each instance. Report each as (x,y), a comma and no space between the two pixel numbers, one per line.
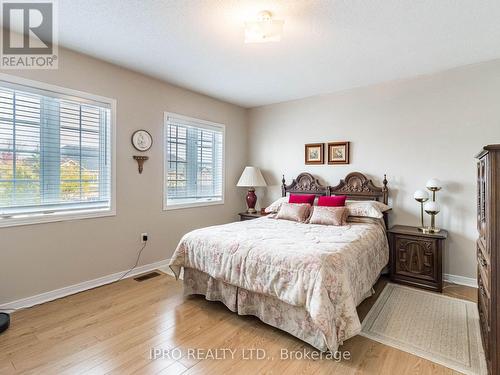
(264,29)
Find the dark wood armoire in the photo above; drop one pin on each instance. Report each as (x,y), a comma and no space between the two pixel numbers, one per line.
(488,252)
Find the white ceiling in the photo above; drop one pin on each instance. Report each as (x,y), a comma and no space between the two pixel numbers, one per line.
(327,46)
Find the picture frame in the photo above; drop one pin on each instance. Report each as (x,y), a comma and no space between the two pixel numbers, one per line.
(338,153)
(314,153)
(142,140)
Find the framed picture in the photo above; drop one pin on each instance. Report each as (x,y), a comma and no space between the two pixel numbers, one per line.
(314,153)
(338,153)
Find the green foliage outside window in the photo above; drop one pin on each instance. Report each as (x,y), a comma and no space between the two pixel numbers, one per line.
(75,182)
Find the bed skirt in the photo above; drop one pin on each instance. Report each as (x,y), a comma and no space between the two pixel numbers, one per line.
(292,319)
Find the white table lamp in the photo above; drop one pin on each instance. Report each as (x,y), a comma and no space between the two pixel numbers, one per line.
(431,207)
(421,196)
(433,185)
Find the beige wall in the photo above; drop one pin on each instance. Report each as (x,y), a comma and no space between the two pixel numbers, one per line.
(45,257)
(412,130)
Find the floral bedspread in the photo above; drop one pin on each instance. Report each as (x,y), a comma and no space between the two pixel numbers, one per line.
(327,270)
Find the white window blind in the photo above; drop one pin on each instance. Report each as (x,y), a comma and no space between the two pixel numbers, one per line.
(55,152)
(194,157)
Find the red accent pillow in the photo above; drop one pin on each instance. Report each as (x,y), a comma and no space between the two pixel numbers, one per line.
(333,201)
(302,198)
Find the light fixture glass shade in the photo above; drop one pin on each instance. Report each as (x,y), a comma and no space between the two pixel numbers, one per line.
(251,177)
(421,195)
(264,29)
(433,183)
(432,207)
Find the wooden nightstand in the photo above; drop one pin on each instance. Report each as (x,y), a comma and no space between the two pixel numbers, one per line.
(247,216)
(416,257)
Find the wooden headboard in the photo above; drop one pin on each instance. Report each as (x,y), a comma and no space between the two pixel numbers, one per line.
(358,187)
(304,183)
(355,185)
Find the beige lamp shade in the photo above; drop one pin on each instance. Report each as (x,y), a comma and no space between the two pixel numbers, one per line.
(251,177)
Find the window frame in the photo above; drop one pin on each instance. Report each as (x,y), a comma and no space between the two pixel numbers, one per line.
(80,96)
(203,124)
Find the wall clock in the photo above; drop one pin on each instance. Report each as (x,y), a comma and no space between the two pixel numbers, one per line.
(142,140)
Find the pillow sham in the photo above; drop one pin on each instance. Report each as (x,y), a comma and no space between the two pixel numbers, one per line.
(373,209)
(365,219)
(276,205)
(294,212)
(327,215)
(381,206)
(333,201)
(302,198)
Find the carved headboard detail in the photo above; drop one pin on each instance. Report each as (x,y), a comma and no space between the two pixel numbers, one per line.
(357,186)
(304,183)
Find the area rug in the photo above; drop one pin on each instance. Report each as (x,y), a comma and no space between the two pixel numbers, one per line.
(442,329)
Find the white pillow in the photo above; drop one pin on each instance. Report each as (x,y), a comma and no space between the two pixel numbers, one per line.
(373,209)
(276,205)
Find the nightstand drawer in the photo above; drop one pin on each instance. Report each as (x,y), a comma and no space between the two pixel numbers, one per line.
(416,257)
(244,216)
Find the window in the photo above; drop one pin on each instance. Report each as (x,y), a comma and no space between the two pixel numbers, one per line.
(194,162)
(55,153)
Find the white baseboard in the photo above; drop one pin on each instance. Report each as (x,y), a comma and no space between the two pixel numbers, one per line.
(76,288)
(461,280)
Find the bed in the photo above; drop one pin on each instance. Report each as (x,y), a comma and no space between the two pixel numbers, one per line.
(302,278)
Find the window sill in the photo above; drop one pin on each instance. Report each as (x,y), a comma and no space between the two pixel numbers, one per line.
(190,205)
(55,217)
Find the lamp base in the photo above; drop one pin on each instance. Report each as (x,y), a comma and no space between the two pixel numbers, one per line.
(428,230)
(251,201)
(434,230)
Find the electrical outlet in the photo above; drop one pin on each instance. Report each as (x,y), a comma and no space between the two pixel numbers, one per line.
(144,237)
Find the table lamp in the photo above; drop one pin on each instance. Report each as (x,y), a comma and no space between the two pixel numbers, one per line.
(251,178)
(433,185)
(421,196)
(432,208)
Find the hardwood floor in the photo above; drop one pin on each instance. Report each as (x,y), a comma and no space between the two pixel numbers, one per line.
(112,329)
